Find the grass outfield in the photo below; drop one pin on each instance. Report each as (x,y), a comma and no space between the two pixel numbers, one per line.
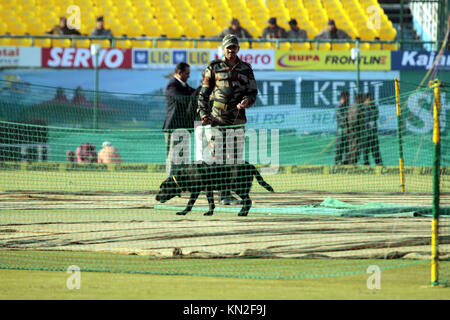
(111,181)
(404,283)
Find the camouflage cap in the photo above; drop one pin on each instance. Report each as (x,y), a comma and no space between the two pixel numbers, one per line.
(230,40)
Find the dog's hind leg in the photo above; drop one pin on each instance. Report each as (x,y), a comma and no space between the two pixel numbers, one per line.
(210,197)
(192,199)
(247,205)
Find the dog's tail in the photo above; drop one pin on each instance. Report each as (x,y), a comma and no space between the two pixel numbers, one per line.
(261,181)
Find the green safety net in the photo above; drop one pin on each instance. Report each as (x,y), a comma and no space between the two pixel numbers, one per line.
(326,217)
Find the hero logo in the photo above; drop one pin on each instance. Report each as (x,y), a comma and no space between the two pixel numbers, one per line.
(264,59)
(81,58)
(253,58)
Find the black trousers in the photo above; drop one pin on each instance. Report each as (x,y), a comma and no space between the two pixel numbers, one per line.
(371,145)
(341,146)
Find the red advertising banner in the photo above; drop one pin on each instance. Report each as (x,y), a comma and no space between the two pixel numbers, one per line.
(82,58)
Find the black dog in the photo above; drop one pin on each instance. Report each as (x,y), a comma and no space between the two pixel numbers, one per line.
(199,177)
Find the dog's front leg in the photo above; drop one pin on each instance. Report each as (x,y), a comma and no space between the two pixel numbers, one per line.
(210,197)
(193,198)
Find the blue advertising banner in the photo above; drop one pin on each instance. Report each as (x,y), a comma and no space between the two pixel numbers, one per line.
(419,60)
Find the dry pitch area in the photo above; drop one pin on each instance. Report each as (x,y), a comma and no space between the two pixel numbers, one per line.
(129,223)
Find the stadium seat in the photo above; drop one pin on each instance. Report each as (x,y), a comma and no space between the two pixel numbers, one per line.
(388,46)
(103,43)
(139,44)
(207,45)
(61,43)
(136,17)
(323,46)
(340,46)
(135,30)
(262,45)
(300,46)
(24,42)
(83,43)
(44,43)
(3,27)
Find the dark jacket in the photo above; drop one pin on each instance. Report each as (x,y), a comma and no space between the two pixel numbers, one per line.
(63,31)
(192,109)
(177,98)
(240,33)
(274,33)
(341,116)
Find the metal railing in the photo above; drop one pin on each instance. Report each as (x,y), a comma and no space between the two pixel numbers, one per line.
(194,42)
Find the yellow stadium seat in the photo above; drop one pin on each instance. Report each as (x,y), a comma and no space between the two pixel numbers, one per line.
(323,46)
(135,30)
(195,31)
(261,45)
(389,46)
(123,44)
(244,44)
(205,45)
(173,31)
(3,27)
(117,29)
(103,43)
(142,43)
(210,29)
(5,41)
(283,46)
(43,43)
(300,46)
(83,43)
(363,46)
(61,43)
(24,42)
(340,46)
(153,30)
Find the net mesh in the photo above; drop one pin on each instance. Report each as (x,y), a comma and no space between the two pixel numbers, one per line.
(79,190)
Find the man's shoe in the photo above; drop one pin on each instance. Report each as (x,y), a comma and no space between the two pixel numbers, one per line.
(235,202)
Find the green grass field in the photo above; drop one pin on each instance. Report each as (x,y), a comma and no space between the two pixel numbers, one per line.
(36,274)
(401,283)
(116,181)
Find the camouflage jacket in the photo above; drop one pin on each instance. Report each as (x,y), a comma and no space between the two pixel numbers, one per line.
(227,86)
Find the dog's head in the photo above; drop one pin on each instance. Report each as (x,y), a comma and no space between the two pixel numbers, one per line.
(168,189)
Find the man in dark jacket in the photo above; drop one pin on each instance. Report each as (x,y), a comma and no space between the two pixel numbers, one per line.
(237,30)
(178,94)
(370,142)
(63,29)
(273,30)
(355,125)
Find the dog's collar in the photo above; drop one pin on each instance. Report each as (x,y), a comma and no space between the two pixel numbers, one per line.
(176,182)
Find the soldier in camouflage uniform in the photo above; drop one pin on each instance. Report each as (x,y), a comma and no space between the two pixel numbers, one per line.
(232,85)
